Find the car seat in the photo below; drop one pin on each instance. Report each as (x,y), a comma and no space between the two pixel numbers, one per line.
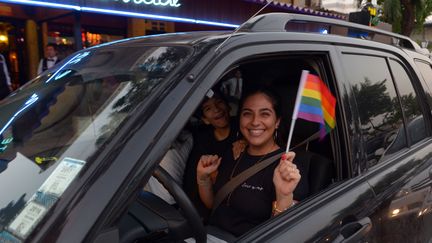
(317,173)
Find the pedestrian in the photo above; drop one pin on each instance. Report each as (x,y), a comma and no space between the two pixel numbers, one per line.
(232,87)
(50,58)
(5,82)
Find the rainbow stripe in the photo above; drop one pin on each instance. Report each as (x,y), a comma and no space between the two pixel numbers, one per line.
(317,104)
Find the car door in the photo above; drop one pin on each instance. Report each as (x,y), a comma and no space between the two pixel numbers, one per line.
(390,140)
(398,164)
(396,143)
(343,207)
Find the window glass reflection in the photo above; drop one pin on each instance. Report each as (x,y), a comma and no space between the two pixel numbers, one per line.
(53,127)
(411,108)
(377,104)
(426,72)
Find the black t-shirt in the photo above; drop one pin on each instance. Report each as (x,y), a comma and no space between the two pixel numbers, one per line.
(250,203)
(205,143)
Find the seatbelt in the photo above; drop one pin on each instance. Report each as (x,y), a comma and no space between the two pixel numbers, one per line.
(238,179)
(307,140)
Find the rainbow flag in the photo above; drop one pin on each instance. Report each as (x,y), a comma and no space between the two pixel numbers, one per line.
(317,104)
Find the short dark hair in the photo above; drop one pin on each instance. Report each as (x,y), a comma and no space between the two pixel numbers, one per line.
(199,111)
(52,45)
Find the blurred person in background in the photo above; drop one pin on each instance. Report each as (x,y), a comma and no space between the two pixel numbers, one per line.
(5,81)
(50,58)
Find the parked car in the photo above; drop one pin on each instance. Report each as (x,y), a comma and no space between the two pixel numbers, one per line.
(80,141)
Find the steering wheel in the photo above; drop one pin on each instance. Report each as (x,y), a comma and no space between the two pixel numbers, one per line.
(184,203)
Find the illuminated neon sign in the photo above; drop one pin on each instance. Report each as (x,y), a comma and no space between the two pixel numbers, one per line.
(171,3)
(124,13)
(74,60)
(4,144)
(28,103)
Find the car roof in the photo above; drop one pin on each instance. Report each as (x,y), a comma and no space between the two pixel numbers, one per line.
(180,38)
(277,24)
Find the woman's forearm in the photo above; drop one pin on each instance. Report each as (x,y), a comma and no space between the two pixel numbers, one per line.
(205,189)
(282,203)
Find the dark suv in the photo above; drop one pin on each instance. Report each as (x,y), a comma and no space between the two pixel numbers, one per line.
(80,141)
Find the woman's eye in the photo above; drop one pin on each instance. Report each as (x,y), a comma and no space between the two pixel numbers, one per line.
(265,114)
(245,113)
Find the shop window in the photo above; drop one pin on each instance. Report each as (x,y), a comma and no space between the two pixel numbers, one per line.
(155,27)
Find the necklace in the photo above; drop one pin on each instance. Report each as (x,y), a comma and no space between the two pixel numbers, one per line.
(234,169)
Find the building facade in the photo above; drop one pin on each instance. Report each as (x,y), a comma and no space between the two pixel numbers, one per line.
(75,24)
(340,6)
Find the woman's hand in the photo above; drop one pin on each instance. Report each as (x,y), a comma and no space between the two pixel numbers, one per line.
(207,165)
(238,148)
(286,176)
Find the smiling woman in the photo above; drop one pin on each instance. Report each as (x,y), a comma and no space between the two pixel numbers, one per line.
(271,189)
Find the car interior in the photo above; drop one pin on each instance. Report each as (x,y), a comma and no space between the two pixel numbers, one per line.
(181,221)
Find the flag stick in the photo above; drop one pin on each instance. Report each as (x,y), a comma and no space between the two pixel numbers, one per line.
(296,106)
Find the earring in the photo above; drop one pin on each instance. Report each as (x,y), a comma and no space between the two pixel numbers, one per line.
(275,136)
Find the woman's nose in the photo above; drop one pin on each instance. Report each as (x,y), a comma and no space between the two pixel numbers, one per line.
(255,120)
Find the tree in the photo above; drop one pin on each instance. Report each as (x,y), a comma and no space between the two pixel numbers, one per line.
(405,15)
(372,100)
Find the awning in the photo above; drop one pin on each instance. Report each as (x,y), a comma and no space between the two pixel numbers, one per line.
(296,9)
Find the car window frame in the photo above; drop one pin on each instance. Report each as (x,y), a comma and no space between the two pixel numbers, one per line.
(408,64)
(420,96)
(423,79)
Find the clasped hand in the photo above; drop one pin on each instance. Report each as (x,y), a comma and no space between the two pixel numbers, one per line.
(286,176)
(207,165)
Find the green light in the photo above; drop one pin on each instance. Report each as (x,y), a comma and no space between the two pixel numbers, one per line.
(4,144)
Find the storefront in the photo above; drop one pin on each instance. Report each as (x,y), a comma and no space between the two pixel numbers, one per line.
(77,24)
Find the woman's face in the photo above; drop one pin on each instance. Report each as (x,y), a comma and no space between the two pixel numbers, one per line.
(258,122)
(215,112)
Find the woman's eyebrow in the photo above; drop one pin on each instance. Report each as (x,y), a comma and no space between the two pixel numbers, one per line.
(266,109)
(260,110)
(246,109)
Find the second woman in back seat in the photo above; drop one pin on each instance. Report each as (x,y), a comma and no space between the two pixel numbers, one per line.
(216,137)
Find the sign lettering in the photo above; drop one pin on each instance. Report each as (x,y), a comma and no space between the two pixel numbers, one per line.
(171,3)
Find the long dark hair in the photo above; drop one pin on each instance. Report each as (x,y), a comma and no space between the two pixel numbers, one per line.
(275,100)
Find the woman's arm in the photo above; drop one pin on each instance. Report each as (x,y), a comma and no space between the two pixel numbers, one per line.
(285,178)
(207,165)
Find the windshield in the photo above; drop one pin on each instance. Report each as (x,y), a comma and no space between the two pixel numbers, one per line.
(51,128)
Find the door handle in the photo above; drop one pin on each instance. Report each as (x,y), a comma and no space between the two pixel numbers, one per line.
(354,231)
